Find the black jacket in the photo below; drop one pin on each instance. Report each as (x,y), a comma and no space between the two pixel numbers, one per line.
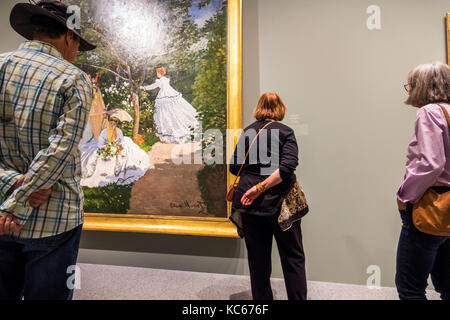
(263,160)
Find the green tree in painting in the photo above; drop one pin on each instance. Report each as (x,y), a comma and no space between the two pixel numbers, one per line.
(211,101)
(211,83)
(118,62)
(182,63)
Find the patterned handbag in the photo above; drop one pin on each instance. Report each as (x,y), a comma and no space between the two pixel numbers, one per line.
(432,213)
(293,208)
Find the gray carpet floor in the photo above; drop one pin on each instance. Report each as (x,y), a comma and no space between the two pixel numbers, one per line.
(102,282)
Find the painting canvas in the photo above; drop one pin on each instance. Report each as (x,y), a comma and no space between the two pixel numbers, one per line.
(160,78)
(448,37)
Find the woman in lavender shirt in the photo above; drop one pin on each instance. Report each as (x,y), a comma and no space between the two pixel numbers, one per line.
(428,166)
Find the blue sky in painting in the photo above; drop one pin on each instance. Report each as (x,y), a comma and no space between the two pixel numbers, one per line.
(202,15)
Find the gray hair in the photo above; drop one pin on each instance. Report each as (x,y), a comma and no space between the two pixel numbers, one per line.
(429,83)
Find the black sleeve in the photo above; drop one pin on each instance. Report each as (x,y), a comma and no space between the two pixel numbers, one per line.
(289,155)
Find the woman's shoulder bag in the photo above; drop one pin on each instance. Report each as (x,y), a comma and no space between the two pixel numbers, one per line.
(432,213)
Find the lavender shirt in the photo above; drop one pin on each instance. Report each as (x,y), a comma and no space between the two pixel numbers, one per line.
(428,160)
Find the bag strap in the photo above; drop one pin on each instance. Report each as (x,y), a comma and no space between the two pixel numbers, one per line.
(447,116)
(249,148)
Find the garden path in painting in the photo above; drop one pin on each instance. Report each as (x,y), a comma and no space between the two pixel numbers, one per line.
(168,187)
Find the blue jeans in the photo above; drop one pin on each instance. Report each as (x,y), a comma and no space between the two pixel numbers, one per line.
(37,269)
(419,255)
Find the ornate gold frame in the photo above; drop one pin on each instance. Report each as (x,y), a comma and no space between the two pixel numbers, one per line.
(191,226)
(448,37)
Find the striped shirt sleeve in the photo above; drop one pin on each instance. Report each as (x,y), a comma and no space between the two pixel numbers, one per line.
(48,166)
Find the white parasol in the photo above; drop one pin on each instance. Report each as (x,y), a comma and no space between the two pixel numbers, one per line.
(120,114)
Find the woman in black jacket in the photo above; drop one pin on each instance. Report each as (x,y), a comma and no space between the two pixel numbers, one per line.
(267,176)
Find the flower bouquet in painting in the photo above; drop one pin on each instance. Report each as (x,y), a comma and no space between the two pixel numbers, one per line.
(110,150)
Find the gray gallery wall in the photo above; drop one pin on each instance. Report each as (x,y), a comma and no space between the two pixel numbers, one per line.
(343,85)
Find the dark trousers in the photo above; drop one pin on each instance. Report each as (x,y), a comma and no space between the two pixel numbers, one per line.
(258,234)
(37,269)
(419,255)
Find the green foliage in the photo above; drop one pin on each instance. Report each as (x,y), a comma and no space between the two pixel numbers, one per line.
(210,100)
(183,61)
(109,199)
(148,144)
(204,3)
(147,124)
(119,97)
(211,83)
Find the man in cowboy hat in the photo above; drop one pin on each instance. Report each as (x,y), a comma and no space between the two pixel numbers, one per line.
(44,106)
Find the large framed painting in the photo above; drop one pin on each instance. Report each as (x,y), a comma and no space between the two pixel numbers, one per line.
(167,91)
(448,37)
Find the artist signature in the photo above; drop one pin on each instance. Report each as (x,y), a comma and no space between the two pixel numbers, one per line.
(200,205)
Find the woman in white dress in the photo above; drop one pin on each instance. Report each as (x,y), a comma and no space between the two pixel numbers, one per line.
(128,164)
(174,116)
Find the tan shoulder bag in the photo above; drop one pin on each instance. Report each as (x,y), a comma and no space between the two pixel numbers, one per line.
(432,213)
(233,187)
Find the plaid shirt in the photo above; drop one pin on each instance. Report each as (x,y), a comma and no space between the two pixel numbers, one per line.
(44,106)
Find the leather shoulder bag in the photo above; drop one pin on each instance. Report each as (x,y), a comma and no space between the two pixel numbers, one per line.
(432,213)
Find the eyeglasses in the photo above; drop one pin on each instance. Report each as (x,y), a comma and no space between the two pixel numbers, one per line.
(407,87)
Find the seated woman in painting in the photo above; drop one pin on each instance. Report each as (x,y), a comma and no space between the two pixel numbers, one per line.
(113,158)
(174,116)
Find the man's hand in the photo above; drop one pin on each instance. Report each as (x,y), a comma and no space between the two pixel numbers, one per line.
(38,198)
(401,205)
(9,225)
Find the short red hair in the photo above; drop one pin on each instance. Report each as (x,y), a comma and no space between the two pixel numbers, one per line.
(161,71)
(270,106)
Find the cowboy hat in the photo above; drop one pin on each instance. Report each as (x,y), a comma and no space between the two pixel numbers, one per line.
(22,14)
